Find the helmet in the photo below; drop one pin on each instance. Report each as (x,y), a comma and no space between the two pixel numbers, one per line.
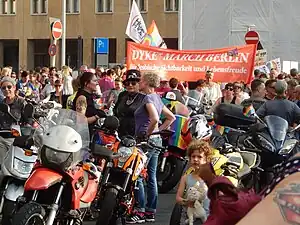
(196,127)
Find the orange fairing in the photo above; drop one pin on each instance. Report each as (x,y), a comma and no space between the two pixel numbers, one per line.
(41,179)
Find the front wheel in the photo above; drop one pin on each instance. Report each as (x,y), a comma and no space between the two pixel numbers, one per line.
(176,215)
(171,175)
(30,214)
(108,205)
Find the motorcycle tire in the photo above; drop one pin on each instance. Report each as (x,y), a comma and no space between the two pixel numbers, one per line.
(7,212)
(27,212)
(109,204)
(171,176)
(176,215)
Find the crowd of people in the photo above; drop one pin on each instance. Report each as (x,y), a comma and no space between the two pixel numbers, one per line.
(136,101)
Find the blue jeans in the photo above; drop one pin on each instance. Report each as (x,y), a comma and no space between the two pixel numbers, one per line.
(152,190)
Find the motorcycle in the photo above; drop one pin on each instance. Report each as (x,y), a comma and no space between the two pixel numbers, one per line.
(62,184)
(270,138)
(125,164)
(15,166)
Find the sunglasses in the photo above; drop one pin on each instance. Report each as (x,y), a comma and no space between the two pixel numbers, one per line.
(237,87)
(127,83)
(229,88)
(7,87)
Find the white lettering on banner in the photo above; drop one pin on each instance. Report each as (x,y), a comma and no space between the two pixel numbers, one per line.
(153,56)
(174,68)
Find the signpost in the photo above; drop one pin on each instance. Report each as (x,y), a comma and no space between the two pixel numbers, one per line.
(52,50)
(56,30)
(252,37)
(56,33)
(101,51)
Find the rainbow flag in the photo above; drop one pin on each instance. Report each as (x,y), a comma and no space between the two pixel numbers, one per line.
(249,111)
(176,139)
(221,129)
(153,38)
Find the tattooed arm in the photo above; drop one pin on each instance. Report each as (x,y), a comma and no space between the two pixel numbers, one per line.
(280,207)
(81,106)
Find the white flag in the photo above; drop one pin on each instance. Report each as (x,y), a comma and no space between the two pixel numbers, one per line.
(136,28)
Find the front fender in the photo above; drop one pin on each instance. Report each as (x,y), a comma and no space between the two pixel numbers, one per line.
(42,179)
(14,191)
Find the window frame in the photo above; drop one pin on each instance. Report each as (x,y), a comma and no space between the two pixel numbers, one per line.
(138,3)
(72,8)
(104,7)
(39,9)
(173,8)
(11,8)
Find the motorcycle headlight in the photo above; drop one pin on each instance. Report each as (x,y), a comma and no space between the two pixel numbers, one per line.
(23,167)
(287,149)
(125,153)
(266,144)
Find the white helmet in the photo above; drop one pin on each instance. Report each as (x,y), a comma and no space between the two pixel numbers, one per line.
(62,138)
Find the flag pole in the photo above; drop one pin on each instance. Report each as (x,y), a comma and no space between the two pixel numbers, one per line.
(63,39)
(180,25)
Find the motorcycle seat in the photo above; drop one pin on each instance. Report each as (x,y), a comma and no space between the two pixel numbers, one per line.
(101,151)
(164,133)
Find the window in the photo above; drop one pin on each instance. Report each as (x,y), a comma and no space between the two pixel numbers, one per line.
(103,6)
(8,7)
(142,4)
(73,6)
(39,7)
(171,5)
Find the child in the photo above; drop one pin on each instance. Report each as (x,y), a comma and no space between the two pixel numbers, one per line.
(199,153)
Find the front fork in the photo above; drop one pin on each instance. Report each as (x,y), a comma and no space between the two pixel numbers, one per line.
(163,162)
(2,196)
(54,206)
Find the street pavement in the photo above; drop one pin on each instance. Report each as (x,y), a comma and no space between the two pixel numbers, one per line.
(165,206)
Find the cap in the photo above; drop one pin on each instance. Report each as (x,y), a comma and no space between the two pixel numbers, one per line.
(171,96)
(133,75)
(8,79)
(281,86)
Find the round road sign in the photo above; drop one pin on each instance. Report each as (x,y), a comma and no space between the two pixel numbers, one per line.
(52,50)
(56,29)
(252,37)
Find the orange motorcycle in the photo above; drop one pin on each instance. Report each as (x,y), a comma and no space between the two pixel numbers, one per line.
(124,164)
(62,184)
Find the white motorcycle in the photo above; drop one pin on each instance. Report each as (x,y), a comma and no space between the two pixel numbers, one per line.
(16,167)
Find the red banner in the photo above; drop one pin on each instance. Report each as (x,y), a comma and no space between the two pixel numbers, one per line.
(228,64)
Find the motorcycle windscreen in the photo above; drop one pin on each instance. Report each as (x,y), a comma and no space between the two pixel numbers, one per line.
(278,128)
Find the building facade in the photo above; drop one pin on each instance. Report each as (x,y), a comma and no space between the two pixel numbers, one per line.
(25,29)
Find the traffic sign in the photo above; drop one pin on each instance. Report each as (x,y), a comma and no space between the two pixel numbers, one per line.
(52,50)
(56,30)
(102,45)
(252,37)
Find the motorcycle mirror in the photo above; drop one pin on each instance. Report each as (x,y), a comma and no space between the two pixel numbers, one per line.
(28,111)
(4,108)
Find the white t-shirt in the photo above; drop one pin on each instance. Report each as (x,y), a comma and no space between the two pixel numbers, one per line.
(67,85)
(47,90)
(212,93)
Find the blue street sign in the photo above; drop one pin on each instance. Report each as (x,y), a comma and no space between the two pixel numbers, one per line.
(101,45)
